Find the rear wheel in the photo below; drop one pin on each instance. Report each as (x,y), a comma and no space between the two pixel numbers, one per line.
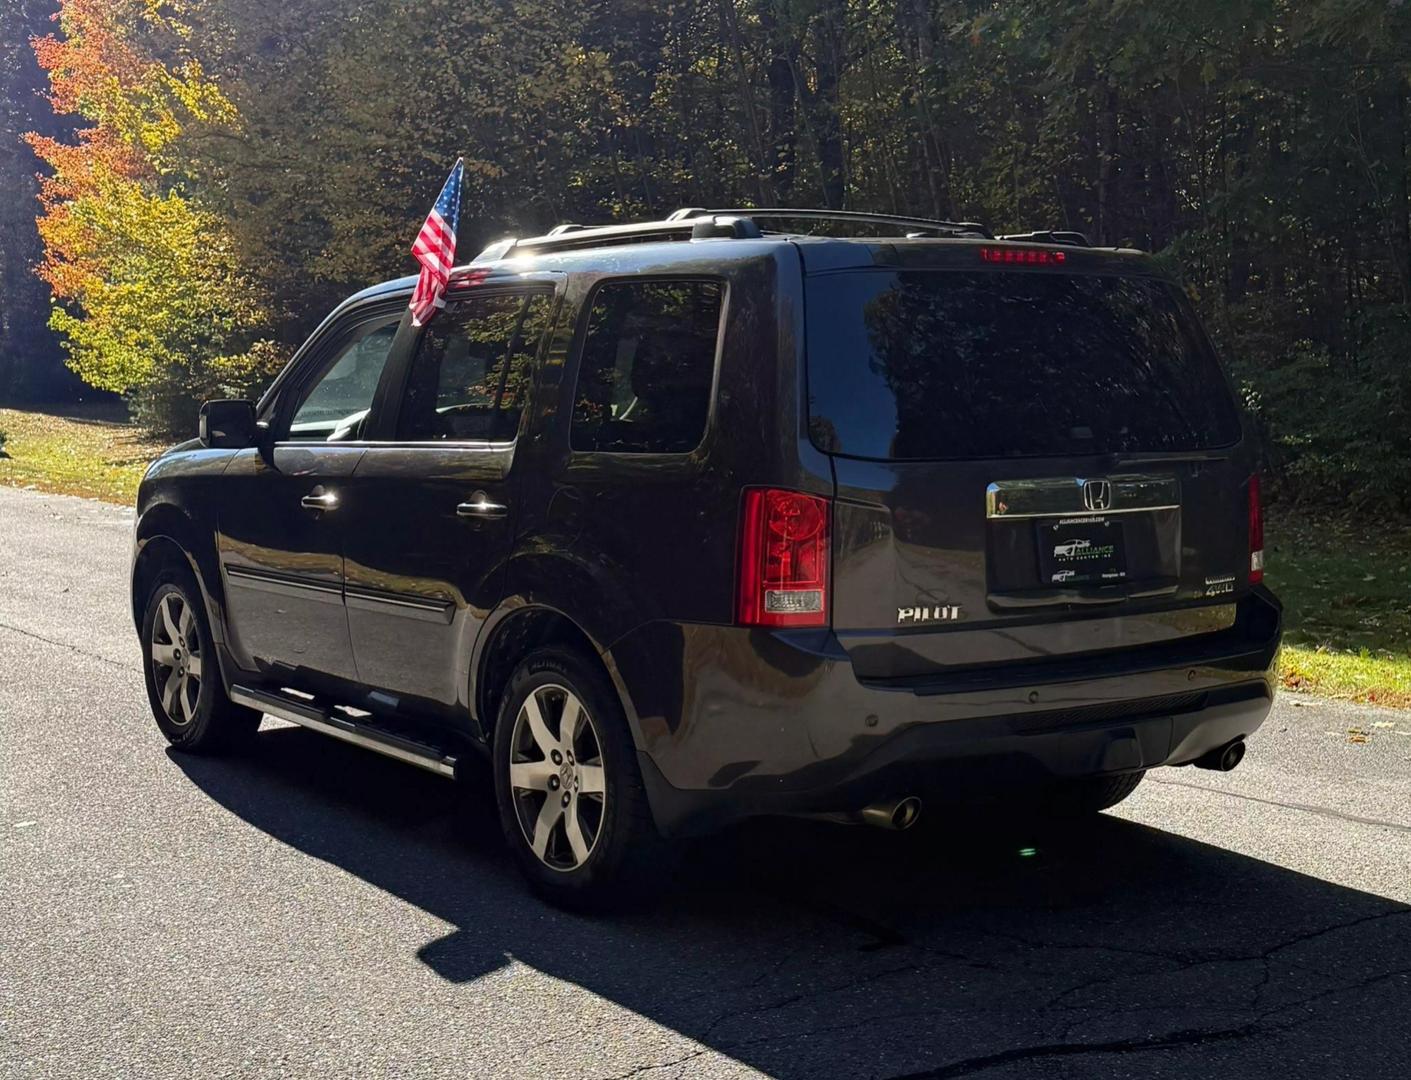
(572,805)
(182,674)
(1089,795)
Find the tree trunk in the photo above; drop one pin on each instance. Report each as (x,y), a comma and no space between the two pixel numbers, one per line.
(828,121)
(730,31)
(1107,163)
(783,106)
(1401,189)
(920,31)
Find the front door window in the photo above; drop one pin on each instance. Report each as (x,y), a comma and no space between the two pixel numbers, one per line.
(335,407)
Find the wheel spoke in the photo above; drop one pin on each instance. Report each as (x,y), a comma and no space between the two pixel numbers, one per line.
(188,702)
(574,832)
(169,692)
(591,780)
(571,720)
(169,621)
(532,775)
(549,815)
(164,654)
(547,743)
(187,622)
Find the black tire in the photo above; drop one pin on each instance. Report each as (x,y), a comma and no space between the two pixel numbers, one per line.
(627,860)
(200,718)
(1090,795)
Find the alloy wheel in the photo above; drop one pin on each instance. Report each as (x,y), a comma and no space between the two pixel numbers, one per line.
(176,659)
(557,782)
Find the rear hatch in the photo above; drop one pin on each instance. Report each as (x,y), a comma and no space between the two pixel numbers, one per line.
(1037,456)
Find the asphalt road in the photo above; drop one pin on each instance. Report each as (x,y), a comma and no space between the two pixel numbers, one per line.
(311,910)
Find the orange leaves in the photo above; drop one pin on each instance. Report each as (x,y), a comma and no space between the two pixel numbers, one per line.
(93,62)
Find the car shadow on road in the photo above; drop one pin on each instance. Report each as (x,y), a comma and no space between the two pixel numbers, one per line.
(809,950)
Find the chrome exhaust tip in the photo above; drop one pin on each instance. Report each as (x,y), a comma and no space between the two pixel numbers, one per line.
(894,814)
(1223,758)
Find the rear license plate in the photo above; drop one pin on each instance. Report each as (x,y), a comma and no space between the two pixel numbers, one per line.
(1082,551)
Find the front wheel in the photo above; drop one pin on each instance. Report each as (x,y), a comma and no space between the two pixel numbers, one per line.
(571,801)
(182,674)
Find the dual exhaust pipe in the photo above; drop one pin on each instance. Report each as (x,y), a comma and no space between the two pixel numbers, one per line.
(901,813)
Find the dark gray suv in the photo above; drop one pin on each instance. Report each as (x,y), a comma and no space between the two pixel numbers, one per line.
(692,520)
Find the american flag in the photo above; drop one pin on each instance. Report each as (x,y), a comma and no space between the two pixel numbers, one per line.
(435,249)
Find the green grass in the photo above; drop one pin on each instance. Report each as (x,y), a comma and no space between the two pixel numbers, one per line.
(1346,587)
(85,451)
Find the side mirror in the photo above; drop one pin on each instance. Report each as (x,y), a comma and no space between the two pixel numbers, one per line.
(228,425)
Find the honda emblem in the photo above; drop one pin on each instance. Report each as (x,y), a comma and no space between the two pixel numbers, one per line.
(1097,494)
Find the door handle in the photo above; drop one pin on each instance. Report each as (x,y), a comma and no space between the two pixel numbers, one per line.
(480,506)
(319,500)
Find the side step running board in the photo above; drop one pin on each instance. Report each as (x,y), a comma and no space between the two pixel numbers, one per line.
(356,731)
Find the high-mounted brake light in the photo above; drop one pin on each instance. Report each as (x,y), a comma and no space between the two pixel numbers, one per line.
(1017,256)
(1256,532)
(784,559)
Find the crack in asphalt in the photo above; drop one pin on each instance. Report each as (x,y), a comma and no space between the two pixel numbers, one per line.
(1323,811)
(1258,1026)
(1187,961)
(659,1065)
(1170,1040)
(66,645)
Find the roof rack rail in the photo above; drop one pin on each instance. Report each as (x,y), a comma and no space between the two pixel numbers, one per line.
(1049,236)
(695,223)
(957,228)
(570,235)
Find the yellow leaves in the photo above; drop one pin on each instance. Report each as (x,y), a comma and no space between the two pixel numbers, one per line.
(162,286)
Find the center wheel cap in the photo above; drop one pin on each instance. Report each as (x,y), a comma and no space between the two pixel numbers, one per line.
(566,774)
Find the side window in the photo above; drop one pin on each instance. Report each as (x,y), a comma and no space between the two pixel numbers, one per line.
(334,407)
(648,361)
(472,370)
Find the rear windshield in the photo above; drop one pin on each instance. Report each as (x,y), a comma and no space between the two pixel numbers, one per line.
(993,364)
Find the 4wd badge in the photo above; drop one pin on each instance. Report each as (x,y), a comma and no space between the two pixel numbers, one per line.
(943,613)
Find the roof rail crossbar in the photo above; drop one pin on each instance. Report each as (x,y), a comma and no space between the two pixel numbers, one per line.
(1049,236)
(960,228)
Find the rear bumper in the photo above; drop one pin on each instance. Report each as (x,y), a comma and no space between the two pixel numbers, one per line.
(733,723)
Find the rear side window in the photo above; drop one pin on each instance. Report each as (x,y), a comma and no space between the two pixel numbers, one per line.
(648,363)
(994,364)
(472,370)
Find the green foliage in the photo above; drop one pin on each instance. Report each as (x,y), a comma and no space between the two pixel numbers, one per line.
(1260,146)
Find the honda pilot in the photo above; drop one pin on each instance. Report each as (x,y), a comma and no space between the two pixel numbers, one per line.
(732,514)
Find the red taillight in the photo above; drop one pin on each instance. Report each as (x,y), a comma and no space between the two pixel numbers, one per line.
(1256,532)
(1018,256)
(784,559)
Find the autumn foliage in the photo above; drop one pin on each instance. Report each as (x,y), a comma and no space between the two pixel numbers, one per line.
(244,164)
(153,302)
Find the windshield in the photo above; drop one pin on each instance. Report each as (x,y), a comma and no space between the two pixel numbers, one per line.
(948,364)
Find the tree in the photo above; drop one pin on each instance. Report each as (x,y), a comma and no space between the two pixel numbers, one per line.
(31,364)
(155,305)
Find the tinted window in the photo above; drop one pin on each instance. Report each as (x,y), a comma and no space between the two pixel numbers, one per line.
(946,364)
(335,406)
(472,369)
(648,361)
